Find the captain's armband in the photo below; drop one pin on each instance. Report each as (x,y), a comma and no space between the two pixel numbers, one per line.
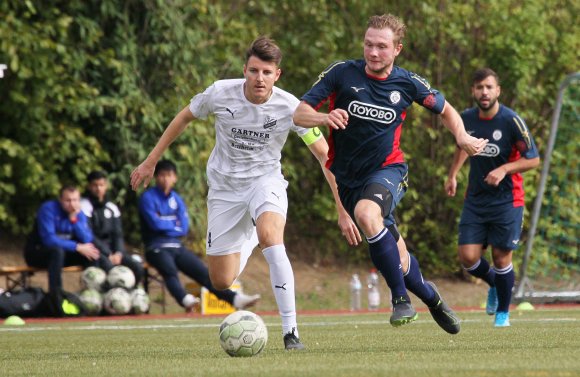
(312,136)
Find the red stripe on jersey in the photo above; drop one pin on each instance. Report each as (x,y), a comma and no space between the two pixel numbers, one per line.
(396,156)
(517,181)
(331,152)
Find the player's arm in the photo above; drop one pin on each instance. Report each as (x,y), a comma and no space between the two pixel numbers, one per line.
(452,121)
(520,165)
(306,116)
(458,160)
(144,172)
(319,148)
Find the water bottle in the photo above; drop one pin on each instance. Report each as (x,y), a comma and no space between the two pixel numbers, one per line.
(355,291)
(374,297)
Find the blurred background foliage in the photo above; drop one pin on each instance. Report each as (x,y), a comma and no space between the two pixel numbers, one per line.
(93,83)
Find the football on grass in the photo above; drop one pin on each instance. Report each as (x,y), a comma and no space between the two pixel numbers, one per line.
(243,334)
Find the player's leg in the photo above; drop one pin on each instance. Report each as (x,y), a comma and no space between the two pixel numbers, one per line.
(504,237)
(425,290)
(268,206)
(163,261)
(473,235)
(375,202)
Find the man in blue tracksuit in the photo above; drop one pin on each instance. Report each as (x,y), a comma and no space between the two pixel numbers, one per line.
(164,221)
(61,237)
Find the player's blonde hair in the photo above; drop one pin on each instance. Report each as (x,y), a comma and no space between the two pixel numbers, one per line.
(388,21)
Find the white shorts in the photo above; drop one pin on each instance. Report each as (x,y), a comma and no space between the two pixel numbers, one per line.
(232,214)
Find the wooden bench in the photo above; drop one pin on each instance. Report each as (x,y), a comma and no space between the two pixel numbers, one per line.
(20,276)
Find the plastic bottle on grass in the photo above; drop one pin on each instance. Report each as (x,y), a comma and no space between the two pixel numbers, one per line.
(355,293)
(374,296)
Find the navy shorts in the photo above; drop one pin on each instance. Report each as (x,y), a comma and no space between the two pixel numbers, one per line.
(393,177)
(500,226)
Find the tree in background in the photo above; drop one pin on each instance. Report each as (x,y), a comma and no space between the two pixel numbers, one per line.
(92,84)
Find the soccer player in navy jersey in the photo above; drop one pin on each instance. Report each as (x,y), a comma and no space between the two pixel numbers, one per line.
(494,201)
(368,102)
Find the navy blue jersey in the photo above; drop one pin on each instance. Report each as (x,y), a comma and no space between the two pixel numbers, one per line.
(509,139)
(376,108)
(164,218)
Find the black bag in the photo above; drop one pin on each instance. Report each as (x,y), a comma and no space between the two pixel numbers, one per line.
(62,304)
(23,303)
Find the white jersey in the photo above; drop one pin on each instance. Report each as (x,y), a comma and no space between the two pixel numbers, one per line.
(249,137)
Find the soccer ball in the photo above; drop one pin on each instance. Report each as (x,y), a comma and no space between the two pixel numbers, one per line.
(243,333)
(93,278)
(117,301)
(92,300)
(140,302)
(121,276)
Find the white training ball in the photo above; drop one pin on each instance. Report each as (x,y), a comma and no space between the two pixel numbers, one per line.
(93,278)
(140,302)
(243,334)
(122,277)
(92,300)
(117,301)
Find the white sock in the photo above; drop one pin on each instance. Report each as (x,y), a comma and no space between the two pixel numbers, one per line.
(282,279)
(247,249)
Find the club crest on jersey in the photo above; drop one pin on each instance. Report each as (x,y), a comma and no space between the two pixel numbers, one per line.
(269,122)
(395,97)
(371,112)
(496,135)
(490,150)
(172,203)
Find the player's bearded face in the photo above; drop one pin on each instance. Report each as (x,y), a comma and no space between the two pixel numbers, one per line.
(260,78)
(485,93)
(380,51)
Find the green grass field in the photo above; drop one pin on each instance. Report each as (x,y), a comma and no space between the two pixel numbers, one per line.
(539,343)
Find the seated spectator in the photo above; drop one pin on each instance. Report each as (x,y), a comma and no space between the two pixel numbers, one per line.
(105,221)
(61,237)
(164,221)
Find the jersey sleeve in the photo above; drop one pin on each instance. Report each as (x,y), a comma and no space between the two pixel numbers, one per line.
(425,95)
(524,142)
(324,86)
(201,105)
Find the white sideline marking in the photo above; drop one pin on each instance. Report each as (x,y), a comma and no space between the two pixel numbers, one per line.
(270,324)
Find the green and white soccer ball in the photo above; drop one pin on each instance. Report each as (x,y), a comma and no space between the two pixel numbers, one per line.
(117,301)
(93,278)
(122,277)
(92,299)
(243,334)
(140,302)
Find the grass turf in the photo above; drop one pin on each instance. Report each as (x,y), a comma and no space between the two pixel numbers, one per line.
(539,343)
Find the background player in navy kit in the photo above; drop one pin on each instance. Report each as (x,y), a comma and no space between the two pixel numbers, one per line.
(368,105)
(494,202)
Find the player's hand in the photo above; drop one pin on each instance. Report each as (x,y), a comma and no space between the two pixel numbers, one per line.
(142,173)
(349,229)
(470,144)
(88,250)
(495,176)
(337,119)
(451,186)
(116,258)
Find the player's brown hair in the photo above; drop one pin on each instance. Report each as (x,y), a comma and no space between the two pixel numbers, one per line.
(483,73)
(388,21)
(265,49)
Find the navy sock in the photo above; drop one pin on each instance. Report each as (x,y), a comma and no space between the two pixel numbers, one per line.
(504,283)
(415,283)
(483,270)
(385,256)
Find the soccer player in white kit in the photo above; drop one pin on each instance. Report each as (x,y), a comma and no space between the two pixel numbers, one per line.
(246,185)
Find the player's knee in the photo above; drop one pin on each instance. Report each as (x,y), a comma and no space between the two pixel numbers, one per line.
(468,260)
(221,281)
